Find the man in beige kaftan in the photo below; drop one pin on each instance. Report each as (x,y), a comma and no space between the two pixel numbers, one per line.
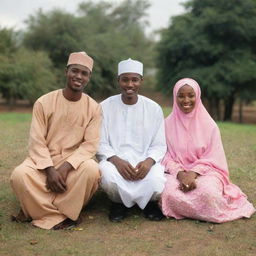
(59,176)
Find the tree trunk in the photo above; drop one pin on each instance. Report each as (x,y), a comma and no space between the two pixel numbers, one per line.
(11,103)
(210,108)
(240,111)
(217,109)
(214,108)
(229,103)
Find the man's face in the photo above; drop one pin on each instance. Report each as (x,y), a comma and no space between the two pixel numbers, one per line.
(186,99)
(129,84)
(78,77)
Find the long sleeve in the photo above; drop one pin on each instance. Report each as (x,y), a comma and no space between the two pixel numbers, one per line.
(89,146)
(203,169)
(105,150)
(157,147)
(213,160)
(38,150)
(171,167)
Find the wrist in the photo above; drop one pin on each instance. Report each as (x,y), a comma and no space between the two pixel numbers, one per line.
(151,161)
(112,159)
(65,168)
(180,174)
(49,169)
(194,174)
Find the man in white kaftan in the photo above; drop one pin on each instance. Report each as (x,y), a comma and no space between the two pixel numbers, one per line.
(132,146)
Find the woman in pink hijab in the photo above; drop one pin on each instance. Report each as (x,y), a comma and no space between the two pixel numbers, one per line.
(198,185)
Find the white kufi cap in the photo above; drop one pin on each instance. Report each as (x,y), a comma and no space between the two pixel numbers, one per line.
(130,66)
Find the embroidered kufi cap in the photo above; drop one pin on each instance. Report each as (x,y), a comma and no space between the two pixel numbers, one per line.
(130,66)
(80,58)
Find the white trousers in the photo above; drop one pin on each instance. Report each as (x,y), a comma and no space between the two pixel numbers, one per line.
(129,192)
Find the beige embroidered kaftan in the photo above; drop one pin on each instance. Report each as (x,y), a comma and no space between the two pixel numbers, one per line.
(61,130)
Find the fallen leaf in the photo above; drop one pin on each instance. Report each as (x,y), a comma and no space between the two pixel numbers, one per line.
(210,228)
(77,229)
(90,217)
(230,236)
(33,242)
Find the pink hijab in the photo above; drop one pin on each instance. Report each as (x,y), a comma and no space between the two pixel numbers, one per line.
(194,139)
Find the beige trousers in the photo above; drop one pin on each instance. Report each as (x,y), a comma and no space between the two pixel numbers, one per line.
(47,208)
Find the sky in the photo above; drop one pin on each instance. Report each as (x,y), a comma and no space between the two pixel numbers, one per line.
(14,12)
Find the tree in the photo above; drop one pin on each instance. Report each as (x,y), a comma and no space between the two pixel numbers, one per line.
(212,42)
(107,32)
(55,32)
(25,75)
(8,41)
(8,46)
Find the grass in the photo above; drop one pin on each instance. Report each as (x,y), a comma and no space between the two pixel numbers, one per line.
(135,236)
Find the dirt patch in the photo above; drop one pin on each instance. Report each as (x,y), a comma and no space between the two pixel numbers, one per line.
(20,107)
(249,114)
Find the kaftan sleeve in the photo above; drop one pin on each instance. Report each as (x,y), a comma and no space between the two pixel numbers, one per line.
(213,160)
(171,167)
(38,150)
(157,148)
(105,149)
(202,169)
(89,146)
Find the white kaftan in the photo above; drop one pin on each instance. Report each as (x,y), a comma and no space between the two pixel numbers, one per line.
(133,133)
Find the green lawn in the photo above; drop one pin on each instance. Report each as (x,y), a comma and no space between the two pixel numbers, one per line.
(135,236)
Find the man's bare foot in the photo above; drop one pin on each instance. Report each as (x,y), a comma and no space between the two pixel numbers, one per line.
(20,217)
(68,224)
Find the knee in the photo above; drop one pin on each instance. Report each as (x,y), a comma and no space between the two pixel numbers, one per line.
(210,187)
(17,175)
(94,173)
(208,197)
(169,190)
(155,177)
(91,168)
(108,171)
(156,172)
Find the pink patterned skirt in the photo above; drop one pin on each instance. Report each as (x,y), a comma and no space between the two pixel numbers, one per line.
(207,202)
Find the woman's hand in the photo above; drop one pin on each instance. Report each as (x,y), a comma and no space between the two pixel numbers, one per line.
(187,180)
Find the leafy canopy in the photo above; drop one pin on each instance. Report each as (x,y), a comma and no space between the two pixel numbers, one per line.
(214,43)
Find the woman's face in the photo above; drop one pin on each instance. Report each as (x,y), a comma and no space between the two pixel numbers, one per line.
(186,99)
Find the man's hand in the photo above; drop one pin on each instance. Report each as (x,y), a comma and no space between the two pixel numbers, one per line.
(124,168)
(187,180)
(143,167)
(54,180)
(64,170)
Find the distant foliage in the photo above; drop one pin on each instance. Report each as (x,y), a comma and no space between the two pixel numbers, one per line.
(214,43)
(24,74)
(107,32)
(8,41)
(32,62)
